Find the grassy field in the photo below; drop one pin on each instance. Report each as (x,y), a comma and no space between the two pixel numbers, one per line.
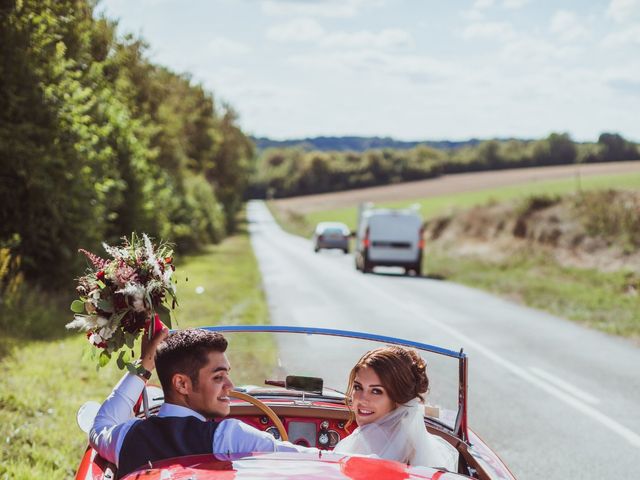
(303,225)
(606,301)
(43,383)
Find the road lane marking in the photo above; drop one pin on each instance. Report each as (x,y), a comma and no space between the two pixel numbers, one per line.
(566,386)
(630,436)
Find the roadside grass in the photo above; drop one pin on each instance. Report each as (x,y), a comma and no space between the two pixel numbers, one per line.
(296,223)
(432,206)
(609,302)
(45,382)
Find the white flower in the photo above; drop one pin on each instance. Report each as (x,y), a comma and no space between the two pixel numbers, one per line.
(148,245)
(137,292)
(132,289)
(79,321)
(153,285)
(101,322)
(152,261)
(106,333)
(83,322)
(138,304)
(166,278)
(116,252)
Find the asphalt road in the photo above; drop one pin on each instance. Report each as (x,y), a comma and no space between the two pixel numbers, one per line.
(553,399)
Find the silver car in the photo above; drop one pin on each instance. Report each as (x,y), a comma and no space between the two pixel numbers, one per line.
(331,235)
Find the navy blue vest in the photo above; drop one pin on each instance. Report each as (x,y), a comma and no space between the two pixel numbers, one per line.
(159,438)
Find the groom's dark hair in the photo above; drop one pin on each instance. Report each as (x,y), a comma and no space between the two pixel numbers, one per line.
(185,351)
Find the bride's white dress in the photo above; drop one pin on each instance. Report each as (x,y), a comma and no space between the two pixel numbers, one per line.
(401,435)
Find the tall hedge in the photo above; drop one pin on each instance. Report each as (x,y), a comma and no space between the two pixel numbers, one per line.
(96,141)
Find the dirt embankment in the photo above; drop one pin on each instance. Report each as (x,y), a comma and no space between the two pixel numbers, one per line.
(589,230)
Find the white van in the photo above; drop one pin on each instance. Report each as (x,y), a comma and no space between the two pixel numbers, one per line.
(389,237)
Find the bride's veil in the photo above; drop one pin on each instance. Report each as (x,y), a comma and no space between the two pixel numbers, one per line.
(401,435)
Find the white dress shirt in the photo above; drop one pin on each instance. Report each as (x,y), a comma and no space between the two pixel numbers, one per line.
(115,418)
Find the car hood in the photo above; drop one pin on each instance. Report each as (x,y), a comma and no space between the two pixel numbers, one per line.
(285,465)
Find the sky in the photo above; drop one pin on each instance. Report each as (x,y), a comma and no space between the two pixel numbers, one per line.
(408,69)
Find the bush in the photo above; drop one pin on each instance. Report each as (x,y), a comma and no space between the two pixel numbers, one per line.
(612,215)
(27,311)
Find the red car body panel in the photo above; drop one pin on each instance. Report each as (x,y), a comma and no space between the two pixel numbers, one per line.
(267,466)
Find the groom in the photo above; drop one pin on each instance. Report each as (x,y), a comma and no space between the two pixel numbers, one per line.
(194,373)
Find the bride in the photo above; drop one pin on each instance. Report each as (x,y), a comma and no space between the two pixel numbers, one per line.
(385,396)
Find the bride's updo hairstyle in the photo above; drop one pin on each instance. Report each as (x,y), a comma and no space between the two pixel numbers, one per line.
(402,372)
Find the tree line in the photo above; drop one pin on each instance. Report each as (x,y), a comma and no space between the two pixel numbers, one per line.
(283,172)
(97,141)
(357,144)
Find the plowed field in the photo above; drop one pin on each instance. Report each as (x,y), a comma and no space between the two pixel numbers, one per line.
(448,184)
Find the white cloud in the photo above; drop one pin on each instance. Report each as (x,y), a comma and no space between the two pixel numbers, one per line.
(625,86)
(529,50)
(298,30)
(567,26)
(472,15)
(489,30)
(623,11)
(318,8)
(375,64)
(476,12)
(482,4)
(385,39)
(514,4)
(222,46)
(309,30)
(628,36)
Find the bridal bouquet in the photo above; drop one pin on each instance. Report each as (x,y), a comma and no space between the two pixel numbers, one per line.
(122,296)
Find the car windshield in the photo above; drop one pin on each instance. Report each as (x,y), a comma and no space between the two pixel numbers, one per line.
(330,227)
(259,356)
(332,231)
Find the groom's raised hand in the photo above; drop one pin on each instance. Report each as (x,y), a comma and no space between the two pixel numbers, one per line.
(149,347)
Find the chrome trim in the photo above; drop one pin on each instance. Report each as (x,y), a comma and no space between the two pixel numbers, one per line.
(335,333)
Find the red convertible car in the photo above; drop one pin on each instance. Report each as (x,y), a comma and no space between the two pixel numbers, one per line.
(303,401)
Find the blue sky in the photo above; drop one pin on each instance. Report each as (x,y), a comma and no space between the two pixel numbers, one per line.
(410,69)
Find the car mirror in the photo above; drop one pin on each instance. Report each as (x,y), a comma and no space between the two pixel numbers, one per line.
(304,384)
(86,414)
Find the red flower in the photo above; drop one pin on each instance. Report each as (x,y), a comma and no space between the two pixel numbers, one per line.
(119,301)
(99,345)
(168,259)
(100,275)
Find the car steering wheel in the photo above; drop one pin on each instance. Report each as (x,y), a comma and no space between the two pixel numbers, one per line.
(264,408)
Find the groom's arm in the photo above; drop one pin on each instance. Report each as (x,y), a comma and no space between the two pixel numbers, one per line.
(115,417)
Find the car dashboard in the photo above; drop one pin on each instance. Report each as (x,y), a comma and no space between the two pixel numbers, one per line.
(309,424)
